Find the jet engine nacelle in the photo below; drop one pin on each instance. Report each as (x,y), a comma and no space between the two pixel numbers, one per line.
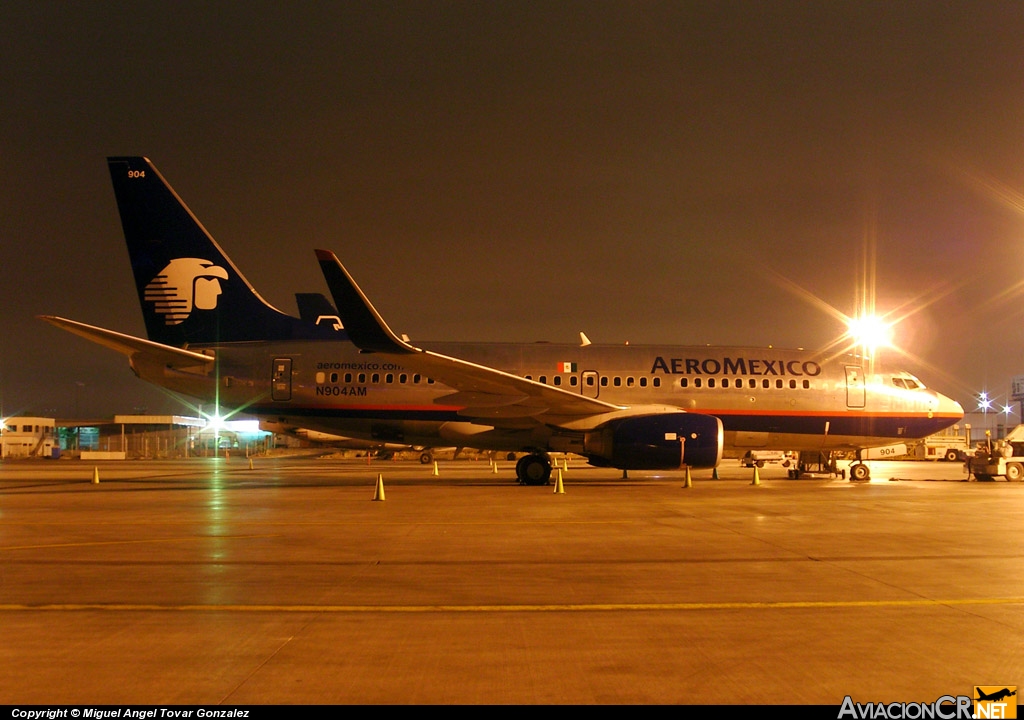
(656,442)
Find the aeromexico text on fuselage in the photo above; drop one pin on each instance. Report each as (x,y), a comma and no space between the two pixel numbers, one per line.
(735,366)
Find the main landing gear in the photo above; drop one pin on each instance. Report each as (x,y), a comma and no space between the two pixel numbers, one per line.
(534,469)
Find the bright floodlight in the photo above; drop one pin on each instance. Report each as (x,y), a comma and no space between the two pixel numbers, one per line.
(869,332)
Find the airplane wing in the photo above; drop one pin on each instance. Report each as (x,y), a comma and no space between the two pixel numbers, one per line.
(483,392)
(131,346)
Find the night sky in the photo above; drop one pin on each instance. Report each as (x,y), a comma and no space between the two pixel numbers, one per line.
(644,172)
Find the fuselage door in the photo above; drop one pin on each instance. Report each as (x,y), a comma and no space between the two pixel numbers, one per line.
(854,386)
(589,385)
(281,379)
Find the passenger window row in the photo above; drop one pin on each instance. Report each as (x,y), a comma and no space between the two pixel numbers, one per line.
(630,381)
(374,378)
(751,383)
(590,380)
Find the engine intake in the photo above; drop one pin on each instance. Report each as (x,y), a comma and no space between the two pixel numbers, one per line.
(656,442)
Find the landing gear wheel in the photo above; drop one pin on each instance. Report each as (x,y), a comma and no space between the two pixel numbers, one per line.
(860,472)
(1013,472)
(533,469)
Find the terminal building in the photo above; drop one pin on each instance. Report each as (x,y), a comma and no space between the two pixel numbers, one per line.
(129,437)
(24,437)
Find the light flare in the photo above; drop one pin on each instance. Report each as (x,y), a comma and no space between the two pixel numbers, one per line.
(869,332)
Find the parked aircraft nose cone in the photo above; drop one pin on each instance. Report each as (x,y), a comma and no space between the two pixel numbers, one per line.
(949,406)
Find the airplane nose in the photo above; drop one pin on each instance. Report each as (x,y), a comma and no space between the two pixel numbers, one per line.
(949,406)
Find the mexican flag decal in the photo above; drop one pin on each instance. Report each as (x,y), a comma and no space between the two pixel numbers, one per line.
(567,367)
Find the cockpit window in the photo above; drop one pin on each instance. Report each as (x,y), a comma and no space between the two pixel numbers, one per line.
(907,383)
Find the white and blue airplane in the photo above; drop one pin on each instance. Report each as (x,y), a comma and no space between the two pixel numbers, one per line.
(211,336)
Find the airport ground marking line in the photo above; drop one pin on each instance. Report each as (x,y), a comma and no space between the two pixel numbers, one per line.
(353,523)
(517,608)
(99,543)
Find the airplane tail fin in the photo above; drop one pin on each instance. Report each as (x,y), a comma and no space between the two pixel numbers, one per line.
(314,305)
(190,291)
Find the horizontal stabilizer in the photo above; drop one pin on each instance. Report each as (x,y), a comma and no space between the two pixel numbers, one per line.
(130,345)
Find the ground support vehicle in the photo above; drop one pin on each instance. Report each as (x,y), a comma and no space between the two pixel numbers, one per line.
(999,458)
(942,446)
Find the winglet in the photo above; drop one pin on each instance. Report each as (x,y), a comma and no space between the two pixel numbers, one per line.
(364,325)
